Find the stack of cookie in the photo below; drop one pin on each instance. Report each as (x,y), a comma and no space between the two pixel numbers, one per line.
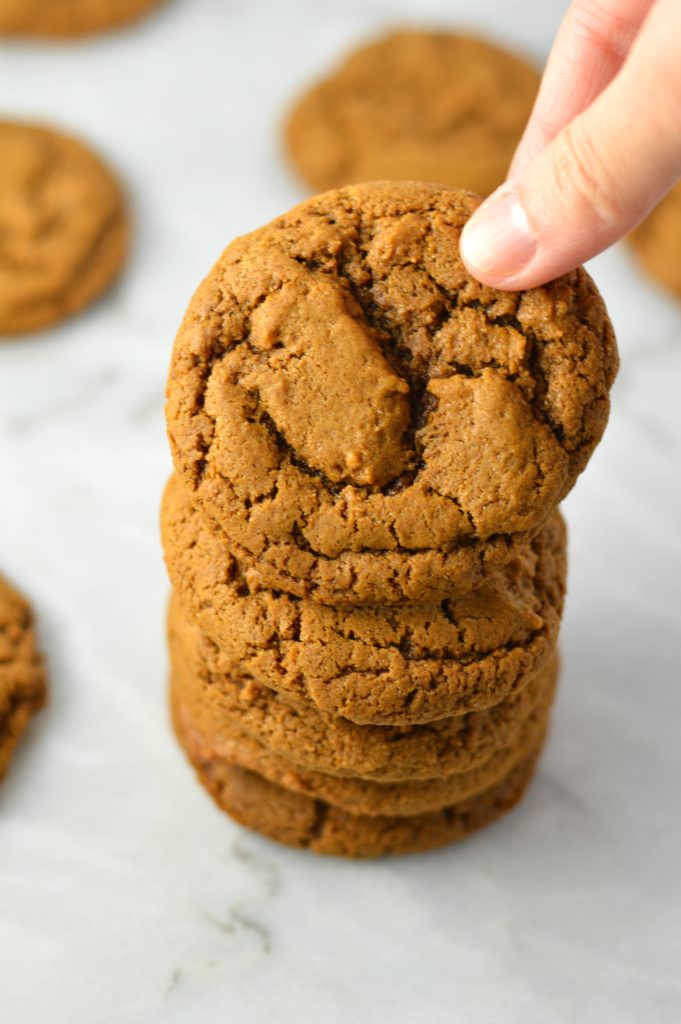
(362,535)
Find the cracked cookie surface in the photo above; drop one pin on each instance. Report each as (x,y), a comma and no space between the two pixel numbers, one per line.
(228,743)
(68,17)
(657,242)
(426,106)
(367,420)
(63,227)
(22,673)
(392,665)
(326,743)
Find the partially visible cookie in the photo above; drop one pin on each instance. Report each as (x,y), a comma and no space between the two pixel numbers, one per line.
(223,700)
(22,673)
(358,796)
(366,419)
(68,17)
(63,227)
(421,106)
(396,665)
(299,820)
(657,241)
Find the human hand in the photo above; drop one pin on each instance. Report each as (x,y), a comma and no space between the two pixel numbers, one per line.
(603,145)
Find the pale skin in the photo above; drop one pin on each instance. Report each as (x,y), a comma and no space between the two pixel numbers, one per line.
(602,147)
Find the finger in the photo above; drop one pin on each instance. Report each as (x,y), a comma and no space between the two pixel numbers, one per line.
(590,48)
(597,179)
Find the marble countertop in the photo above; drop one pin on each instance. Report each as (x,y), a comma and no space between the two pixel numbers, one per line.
(124,895)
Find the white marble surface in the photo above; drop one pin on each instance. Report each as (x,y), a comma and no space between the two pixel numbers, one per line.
(124,895)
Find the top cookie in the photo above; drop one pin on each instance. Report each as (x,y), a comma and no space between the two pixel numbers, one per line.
(657,241)
(427,106)
(364,417)
(68,17)
(22,675)
(63,227)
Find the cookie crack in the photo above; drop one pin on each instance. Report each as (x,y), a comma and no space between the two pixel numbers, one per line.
(18,703)
(320,814)
(444,659)
(287,450)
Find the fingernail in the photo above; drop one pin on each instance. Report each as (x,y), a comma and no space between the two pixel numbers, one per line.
(498,240)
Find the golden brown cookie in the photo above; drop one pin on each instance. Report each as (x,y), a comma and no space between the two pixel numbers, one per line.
(63,227)
(365,418)
(22,673)
(657,242)
(358,796)
(425,106)
(299,820)
(394,665)
(68,18)
(220,699)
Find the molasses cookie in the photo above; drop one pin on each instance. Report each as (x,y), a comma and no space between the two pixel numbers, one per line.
(425,106)
(367,420)
(299,820)
(22,673)
(657,242)
(63,227)
(390,665)
(359,796)
(68,17)
(219,698)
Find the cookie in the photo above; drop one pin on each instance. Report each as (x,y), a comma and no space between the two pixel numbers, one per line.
(313,739)
(358,796)
(425,106)
(299,820)
(394,665)
(657,242)
(367,420)
(22,673)
(63,227)
(68,18)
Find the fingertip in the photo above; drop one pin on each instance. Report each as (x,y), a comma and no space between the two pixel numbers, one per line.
(498,241)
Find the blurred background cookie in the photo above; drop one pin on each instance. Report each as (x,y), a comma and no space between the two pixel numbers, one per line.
(68,17)
(63,227)
(657,242)
(22,673)
(422,106)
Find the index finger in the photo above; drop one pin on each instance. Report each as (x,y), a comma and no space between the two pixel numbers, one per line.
(590,48)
